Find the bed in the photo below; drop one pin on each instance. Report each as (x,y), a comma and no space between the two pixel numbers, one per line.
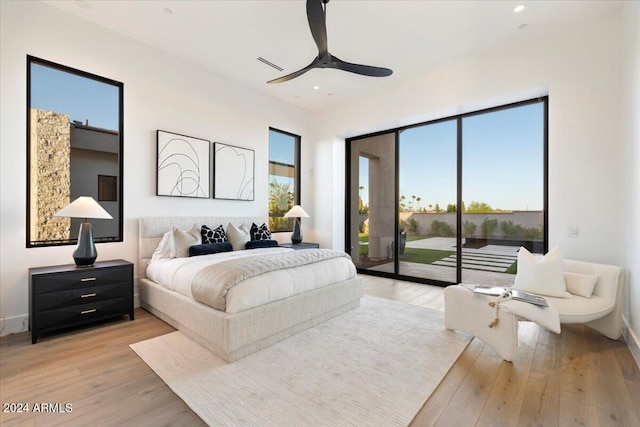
(247,329)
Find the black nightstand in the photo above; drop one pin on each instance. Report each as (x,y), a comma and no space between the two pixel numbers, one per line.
(303,245)
(65,295)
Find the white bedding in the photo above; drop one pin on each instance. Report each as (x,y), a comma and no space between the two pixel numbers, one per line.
(177,273)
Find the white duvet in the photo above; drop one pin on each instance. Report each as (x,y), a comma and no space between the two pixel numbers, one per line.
(176,274)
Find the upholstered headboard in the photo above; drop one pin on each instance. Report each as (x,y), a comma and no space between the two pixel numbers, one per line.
(151,230)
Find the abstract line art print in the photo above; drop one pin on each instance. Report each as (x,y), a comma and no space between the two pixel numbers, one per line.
(233,172)
(183,166)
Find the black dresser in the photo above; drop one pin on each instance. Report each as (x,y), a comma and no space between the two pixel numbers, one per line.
(65,295)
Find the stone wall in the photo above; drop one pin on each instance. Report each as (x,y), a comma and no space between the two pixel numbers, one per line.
(50,175)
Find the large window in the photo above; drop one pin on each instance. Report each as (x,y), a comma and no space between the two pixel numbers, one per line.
(450,200)
(284,178)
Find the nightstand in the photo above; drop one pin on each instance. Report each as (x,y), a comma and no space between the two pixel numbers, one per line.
(65,295)
(303,245)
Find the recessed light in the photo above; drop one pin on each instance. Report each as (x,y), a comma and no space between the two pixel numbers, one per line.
(316,87)
(522,26)
(167,11)
(519,8)
(83,4)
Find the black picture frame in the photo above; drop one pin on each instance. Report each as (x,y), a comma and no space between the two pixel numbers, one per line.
(183,166)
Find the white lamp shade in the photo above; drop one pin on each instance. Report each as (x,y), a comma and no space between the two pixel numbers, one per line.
(84,207)
(296,212)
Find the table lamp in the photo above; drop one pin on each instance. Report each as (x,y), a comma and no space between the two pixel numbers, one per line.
(84,207)
(296,212)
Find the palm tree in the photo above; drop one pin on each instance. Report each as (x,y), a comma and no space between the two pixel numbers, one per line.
(413,197)
(418,199)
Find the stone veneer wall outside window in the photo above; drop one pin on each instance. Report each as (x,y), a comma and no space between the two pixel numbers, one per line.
(50,175)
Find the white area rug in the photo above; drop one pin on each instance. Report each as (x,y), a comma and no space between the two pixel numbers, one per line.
(373,366)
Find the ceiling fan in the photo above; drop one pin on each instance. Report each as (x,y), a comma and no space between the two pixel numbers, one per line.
(316,14)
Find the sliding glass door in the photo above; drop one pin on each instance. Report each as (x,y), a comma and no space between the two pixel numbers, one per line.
(373,202)
(450,200)
(503,190)
(428,185)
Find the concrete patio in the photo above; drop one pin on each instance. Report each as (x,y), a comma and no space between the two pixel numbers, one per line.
(485,265)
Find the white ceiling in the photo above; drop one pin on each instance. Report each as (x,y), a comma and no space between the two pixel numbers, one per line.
(408,36)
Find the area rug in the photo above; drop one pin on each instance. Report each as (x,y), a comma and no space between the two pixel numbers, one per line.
(372,366)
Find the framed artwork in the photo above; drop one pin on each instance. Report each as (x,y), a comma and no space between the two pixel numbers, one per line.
(184,166)
(233,172)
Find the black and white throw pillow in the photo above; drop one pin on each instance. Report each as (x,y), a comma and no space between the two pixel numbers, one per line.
(260,233)
(213,236)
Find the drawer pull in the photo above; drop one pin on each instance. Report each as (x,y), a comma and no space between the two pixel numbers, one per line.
(93,310)
(88,279)
(87,295)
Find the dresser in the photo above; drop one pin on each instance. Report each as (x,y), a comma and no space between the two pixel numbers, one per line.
(65,295)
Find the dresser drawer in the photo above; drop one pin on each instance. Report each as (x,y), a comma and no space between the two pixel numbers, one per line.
(77,314)
(80,279)
(54,300)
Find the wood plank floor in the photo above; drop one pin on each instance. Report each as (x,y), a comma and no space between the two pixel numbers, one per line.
(576,378)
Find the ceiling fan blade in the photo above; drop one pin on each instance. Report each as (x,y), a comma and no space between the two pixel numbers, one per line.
(317,23)
(365,70)
(294,75)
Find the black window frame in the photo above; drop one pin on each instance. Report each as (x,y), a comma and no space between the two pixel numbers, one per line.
(297,175)
(459,119)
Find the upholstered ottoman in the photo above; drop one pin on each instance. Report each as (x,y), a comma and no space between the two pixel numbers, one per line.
(467,311)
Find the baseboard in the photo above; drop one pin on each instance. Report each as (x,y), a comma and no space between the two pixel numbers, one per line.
(632,340)
(14,324)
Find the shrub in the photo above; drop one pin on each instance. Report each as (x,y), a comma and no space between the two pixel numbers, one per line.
(533,233)
(510,230)
(468,228)
(487,226)
(413,226)
(442,229)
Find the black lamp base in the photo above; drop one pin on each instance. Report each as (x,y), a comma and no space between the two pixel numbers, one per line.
(296,236)
(85,254)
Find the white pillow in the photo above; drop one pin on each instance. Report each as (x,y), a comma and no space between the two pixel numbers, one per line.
(238,236)
(164,247)
(182,240)
(542,277)
(580,284)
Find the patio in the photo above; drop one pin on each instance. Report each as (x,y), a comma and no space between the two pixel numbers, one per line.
(486,265)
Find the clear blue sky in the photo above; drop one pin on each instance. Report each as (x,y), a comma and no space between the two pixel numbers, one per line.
(281,147)
(282,150)
(502,160)
(79,97)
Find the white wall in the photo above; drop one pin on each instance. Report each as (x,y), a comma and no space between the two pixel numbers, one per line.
(160,92)
(580,69)
(631,170)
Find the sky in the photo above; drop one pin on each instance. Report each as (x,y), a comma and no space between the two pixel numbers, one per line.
(282,150)
(502,159)
(79,97)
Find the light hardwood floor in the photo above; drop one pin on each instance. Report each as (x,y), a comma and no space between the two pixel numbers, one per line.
(576,378)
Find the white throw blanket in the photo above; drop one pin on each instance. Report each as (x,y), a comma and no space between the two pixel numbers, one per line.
(211,284)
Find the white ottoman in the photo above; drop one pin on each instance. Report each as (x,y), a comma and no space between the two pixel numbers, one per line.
(469,312)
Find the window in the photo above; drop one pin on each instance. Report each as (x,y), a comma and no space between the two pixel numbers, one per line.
(284,178)
(107,188)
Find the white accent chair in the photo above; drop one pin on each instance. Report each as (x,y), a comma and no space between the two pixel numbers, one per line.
(469,312)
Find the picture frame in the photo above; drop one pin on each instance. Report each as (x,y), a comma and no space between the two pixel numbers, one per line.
(183,166)
(234,172)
